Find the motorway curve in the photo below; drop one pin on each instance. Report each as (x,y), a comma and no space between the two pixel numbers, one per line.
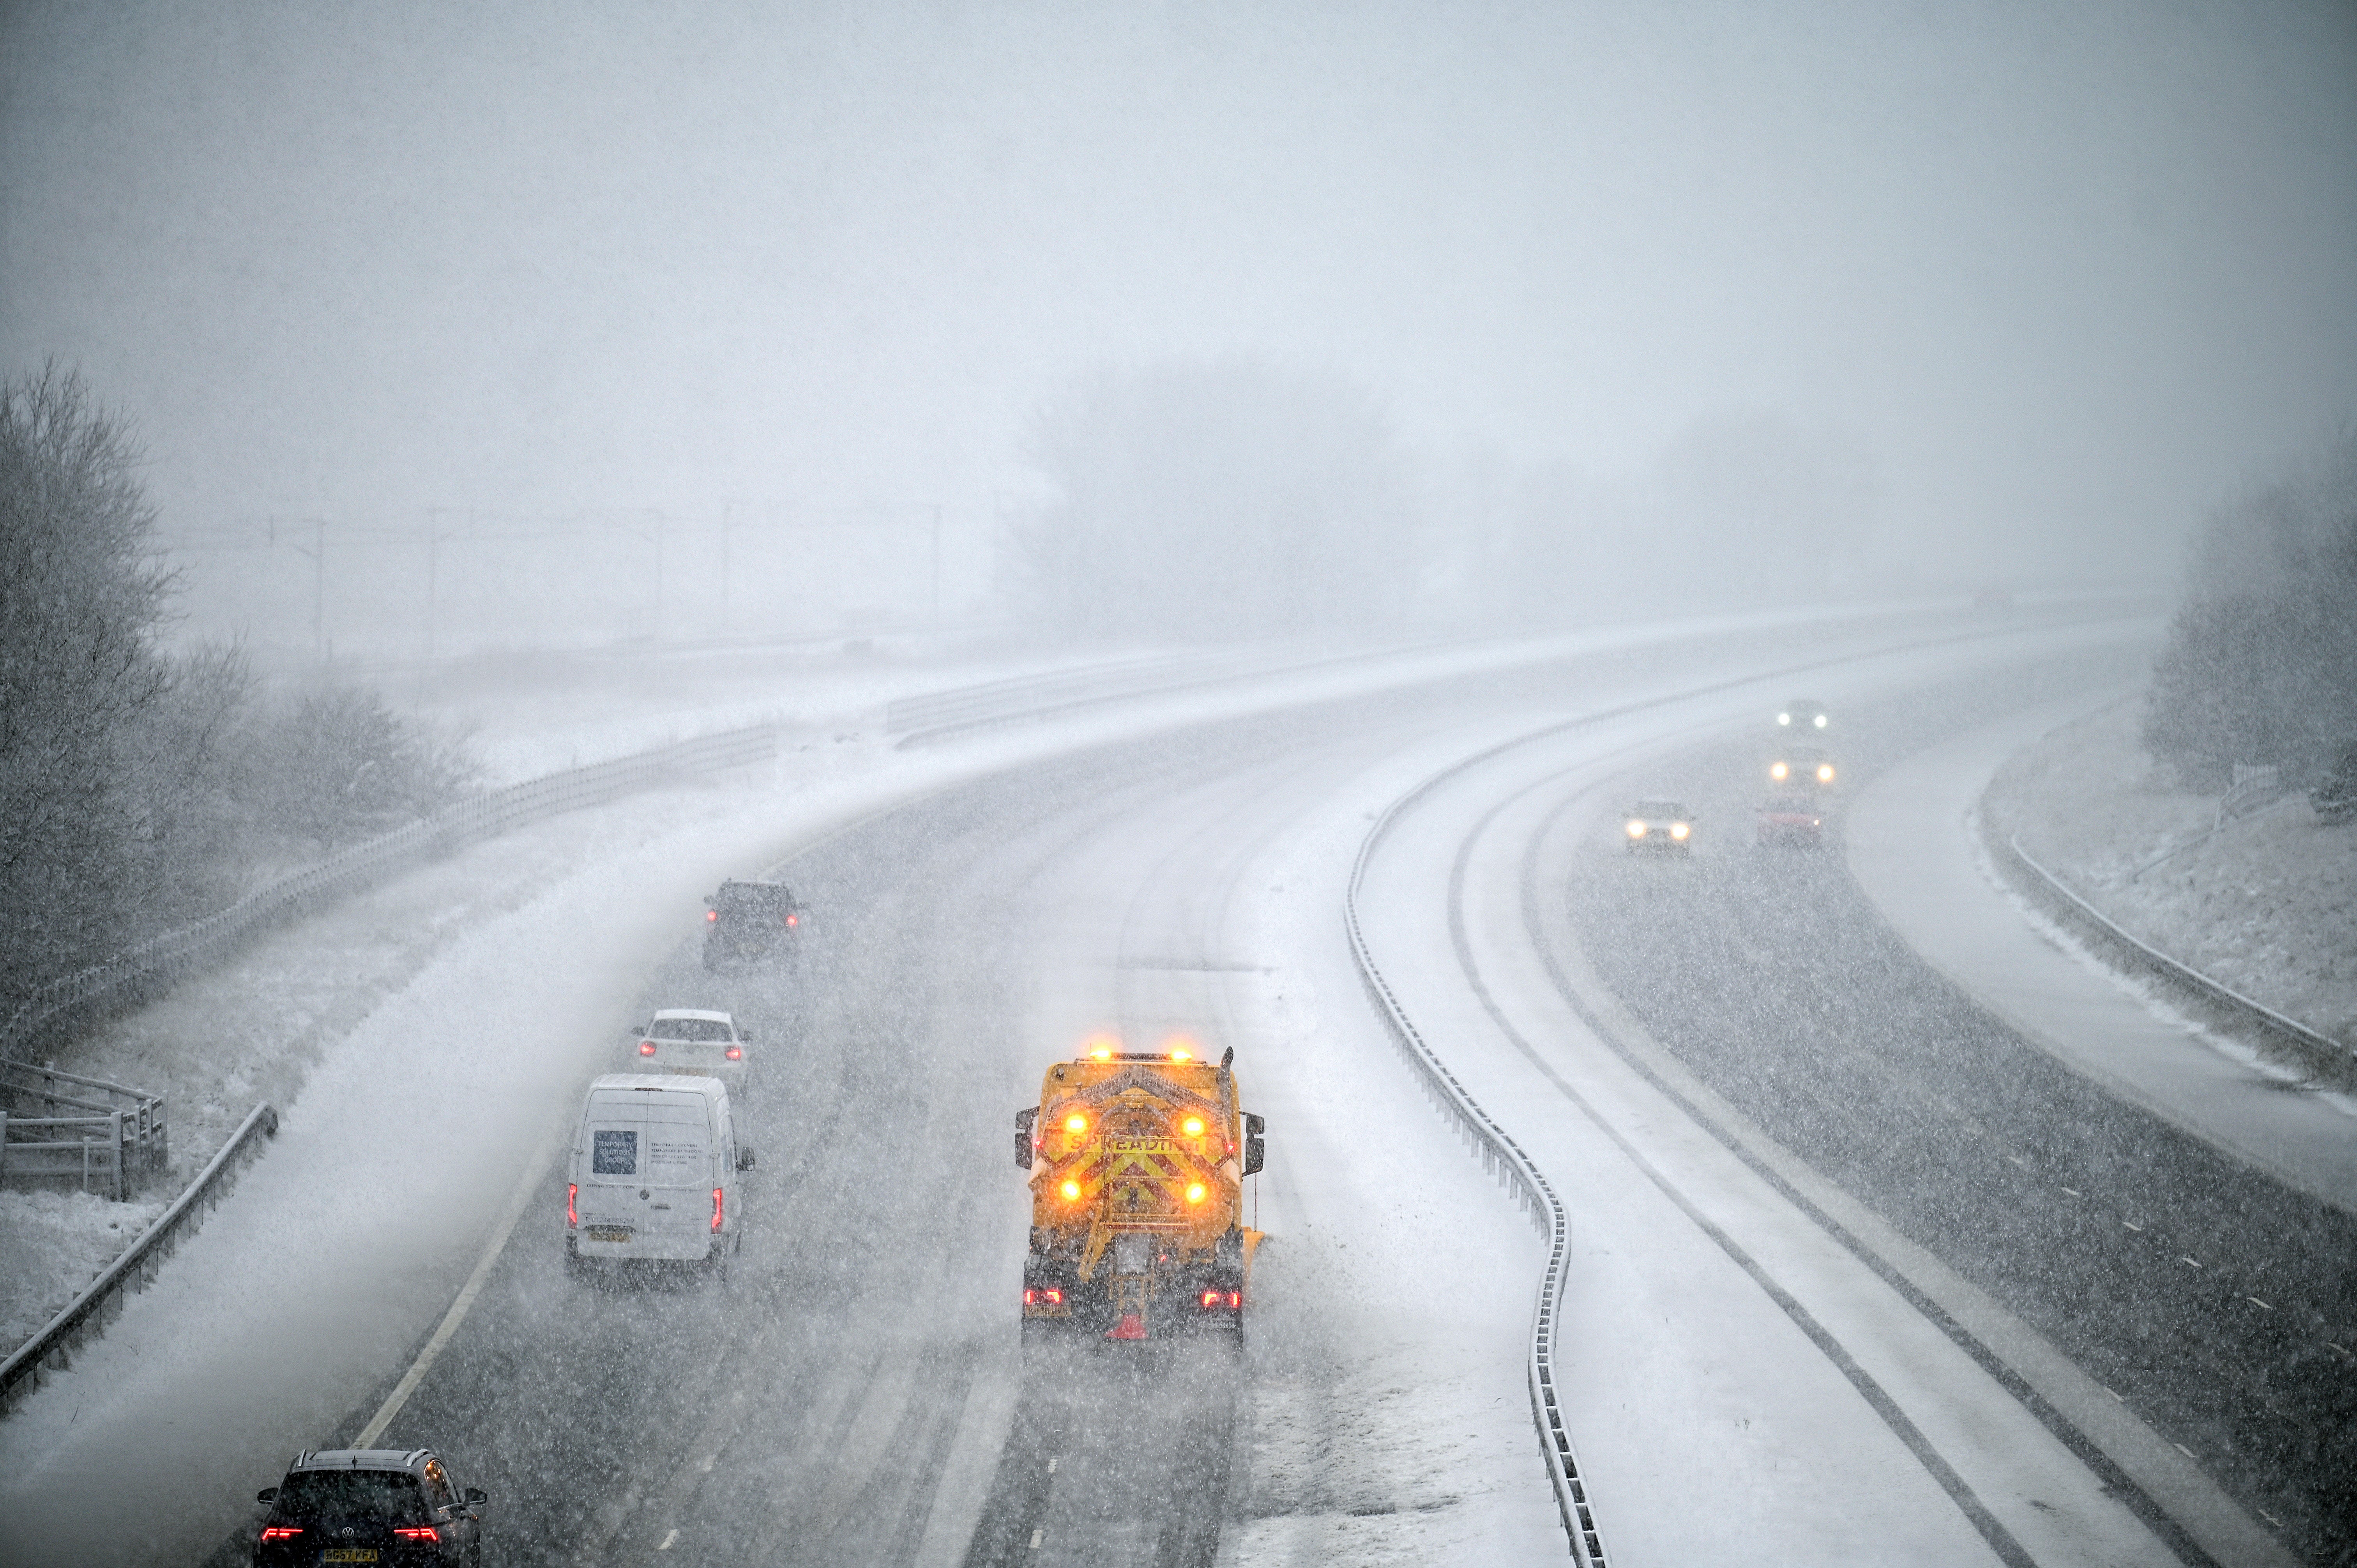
(855,1393)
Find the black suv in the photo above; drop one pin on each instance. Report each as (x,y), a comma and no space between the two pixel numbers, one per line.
(369,1505)
(750,921)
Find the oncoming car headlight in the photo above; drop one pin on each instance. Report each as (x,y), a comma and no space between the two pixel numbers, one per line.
(1820,721)
(1636,828)
(1778,771)
(1825,772)
(1679,830)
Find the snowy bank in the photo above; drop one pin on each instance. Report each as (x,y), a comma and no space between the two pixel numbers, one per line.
(2265,906)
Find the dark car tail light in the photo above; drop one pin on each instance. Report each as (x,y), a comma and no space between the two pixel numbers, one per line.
(646,1047)
(416,1532)
(281,1531)
(736,1053)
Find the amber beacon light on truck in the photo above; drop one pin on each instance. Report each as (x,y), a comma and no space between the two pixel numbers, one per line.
(1138,1161)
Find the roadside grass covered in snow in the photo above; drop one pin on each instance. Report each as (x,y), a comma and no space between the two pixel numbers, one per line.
(2265,906)
(56,1241)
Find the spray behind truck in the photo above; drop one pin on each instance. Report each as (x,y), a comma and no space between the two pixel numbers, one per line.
(1137,1162)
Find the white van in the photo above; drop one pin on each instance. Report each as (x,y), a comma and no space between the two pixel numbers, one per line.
(653,1174)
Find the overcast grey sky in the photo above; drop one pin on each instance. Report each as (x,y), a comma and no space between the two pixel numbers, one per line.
(2066,270)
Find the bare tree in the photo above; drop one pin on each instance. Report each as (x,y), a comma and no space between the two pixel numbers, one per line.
(2261,661)
(1220,500)
(82,596)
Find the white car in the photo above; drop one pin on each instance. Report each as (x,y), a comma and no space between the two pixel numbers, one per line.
(693,1040)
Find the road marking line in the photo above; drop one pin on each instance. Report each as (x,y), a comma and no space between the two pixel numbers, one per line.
(2131,1224)
(2183,1259)
(2182,1449)
(517,1202)
(2074,1192)
(667,1540)
(1035,1535)
(2255,1301)
(1051,1464)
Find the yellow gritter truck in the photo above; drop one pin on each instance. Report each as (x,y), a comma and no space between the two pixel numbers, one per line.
(1137,1162)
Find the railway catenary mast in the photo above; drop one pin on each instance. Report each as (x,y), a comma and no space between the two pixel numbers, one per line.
(1137,1162)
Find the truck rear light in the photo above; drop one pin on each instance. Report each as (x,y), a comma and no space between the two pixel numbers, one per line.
(1215,1299)
(572,1191)
(793,919)
(736,1053)
(1211,1298)
(712,917)
(715,1209)
(646,1047)
(416,1532)
(1033,1295)
(281,1531)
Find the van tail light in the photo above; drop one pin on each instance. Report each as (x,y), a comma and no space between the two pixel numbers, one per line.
(572,1191)
(646,1047)
(281,1531)
(416,1532)
(736,1053)
(715,1209)
(712,917)
(793,920)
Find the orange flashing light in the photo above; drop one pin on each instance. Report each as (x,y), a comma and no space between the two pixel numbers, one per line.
(1072,1189)
(1076,1123)
(1194,1126)
(1197,1192)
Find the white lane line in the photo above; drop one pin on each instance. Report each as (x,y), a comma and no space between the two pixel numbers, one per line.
(1035,1535)
(517,1203)
(664,1545)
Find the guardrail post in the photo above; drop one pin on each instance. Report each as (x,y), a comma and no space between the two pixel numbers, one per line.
(4,1141)
(114,1131)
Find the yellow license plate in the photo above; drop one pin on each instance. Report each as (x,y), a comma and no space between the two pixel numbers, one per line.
(609,1232)
(349,1554)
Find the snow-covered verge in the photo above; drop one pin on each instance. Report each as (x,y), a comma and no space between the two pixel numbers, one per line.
(2265,906)
(56,1242)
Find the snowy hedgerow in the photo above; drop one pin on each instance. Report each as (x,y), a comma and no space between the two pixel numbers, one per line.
(2261,661)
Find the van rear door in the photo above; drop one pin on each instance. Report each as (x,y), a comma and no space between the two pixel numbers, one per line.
(645,1175)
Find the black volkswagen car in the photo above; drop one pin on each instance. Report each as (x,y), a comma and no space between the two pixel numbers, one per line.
(382,1506)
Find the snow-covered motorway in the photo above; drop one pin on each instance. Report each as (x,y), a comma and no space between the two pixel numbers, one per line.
(1746,1386)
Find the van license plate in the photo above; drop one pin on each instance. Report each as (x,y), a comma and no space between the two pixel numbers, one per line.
(349,1554)
(609,1232)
